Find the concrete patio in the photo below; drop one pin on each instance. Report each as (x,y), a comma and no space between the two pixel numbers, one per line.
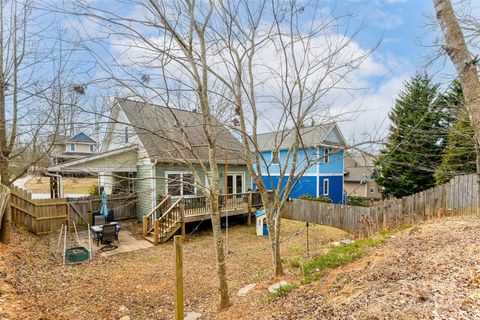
(127,243)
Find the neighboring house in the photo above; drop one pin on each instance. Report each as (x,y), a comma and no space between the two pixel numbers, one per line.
(324,145)
(359,180)
(70,148)
(140,154)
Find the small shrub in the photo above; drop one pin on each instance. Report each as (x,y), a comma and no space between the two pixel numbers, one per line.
(295,262)
(358,201)
(312,198)
(283,291)
(93,190)
(338,256)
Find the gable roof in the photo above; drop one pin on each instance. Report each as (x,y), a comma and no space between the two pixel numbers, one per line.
(161,130)
(82,137)
(359,167)
(62,139)
(311,137)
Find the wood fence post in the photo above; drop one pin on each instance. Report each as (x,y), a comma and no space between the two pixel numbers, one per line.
(156,231)
(249,209)
(177,240)
(182,216)
(145,226)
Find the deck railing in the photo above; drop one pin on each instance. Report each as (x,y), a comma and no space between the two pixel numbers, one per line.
(166,216)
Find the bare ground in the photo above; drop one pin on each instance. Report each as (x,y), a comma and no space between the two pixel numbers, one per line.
(70,185)
(34,284)
(429,271)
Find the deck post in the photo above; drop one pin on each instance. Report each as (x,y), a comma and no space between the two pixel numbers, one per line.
(156,231)
(182,216)
(177,241)
(249,209)
(145,226)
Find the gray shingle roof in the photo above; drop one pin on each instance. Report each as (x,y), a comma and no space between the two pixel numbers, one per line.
(311,136)
(358,167)
(161,130)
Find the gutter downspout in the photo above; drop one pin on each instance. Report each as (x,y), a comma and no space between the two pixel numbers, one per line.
(60,182)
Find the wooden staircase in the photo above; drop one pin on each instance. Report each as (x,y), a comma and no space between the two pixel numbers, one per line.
(164,221)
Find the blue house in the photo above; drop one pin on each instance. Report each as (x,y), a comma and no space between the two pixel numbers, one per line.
(320,162)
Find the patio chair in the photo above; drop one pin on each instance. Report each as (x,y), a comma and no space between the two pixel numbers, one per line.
(98,220)
(109,234)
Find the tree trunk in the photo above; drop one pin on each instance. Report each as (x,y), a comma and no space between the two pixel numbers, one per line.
(220,255)
(7,215)
(465,65)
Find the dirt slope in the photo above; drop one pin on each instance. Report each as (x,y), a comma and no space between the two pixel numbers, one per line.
(430,271)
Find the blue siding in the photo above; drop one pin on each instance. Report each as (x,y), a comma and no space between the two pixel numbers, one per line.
(335,188)
(308,185)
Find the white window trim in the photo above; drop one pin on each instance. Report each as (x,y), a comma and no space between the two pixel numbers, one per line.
(91,148)
(278,156)
(326,155)
(244,181)
(70,147)
(125,133)
(195,190)
(236,173)
(326,187)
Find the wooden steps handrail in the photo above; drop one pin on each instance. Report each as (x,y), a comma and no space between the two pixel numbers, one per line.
(158,206)
(170,209)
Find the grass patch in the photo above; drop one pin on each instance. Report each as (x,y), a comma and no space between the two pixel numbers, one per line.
(298,249)
(152,260)
(338,256)
(283,291)
(295,262)
(389,232)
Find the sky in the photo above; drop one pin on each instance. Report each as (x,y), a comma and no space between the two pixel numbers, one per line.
(401,28)
(396,30)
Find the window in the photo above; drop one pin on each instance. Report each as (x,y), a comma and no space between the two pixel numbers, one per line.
(235,183)
(92,148)
(126,134)
(325,187)
(275,159)
(180,184)
(372,190)
(326,153)
(73,147)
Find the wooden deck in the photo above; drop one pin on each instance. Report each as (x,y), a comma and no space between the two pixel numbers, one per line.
(172,214)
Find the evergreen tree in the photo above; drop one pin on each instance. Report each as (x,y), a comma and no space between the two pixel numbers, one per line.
(459,155)
(416,140)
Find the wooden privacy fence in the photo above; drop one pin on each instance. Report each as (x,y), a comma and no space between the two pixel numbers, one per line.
(46,215)
(459,196)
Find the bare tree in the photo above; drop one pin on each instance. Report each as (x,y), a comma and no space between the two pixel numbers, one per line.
(26,81)
(299,59)
(240,62)
(465,64)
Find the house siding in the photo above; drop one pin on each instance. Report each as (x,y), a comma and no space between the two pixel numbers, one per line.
(312,178)
(162,168)
(143,188)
